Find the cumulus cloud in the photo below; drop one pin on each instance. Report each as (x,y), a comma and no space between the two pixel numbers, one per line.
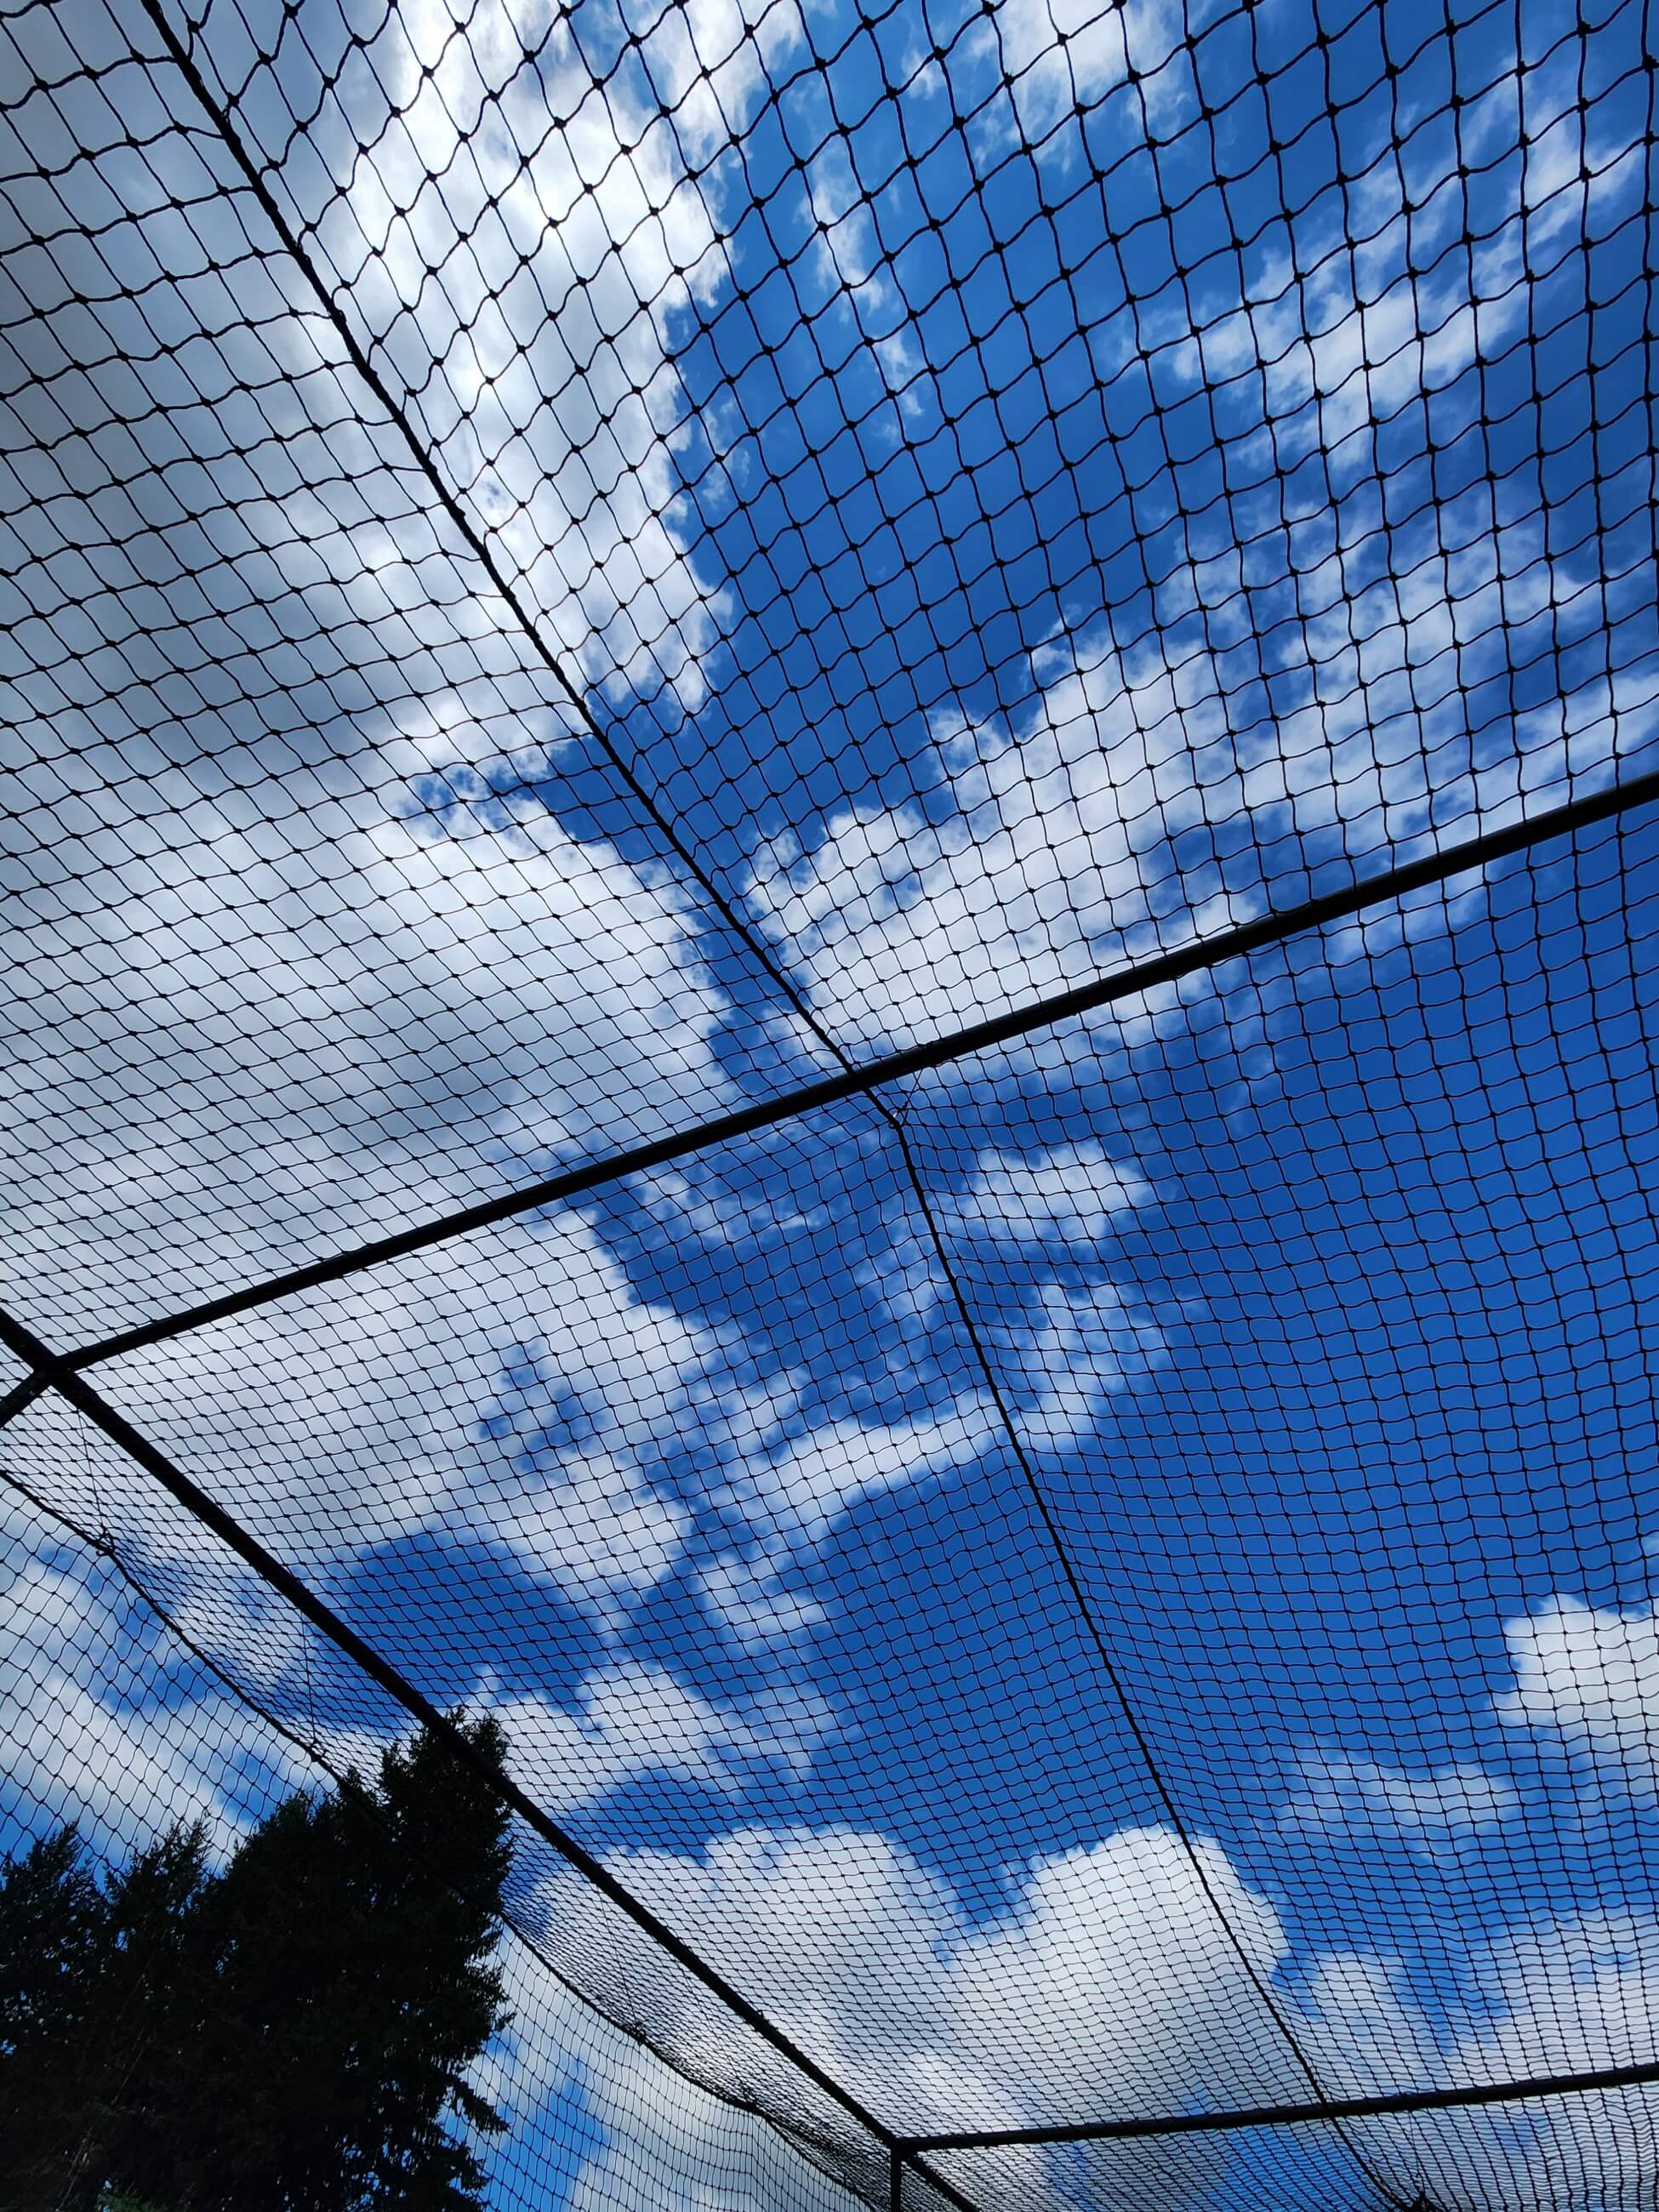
(775,1505)
(1104,1983)
(1589,1676)
(642,2138)
(111,1724)
(1108,1983)
(1564,1996)
(905,923)
(1032,1238)
(1436,1813)
(1068,1198)
(380,1413)
(1108,1986)
(515,229)
(1087,828)
(332,1438)
(331,1061)
(283,970)
(629,1720)
(116,1727)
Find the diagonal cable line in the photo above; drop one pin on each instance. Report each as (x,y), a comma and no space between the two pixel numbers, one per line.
(1299,1298)
(477,544)
(1197,957)
(397,1686)
(105,1548)
(1112,1674)
(1473,2096)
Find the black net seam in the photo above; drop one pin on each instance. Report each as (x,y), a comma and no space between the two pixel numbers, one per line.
(1114,1678)
(104,1547)
(1130,981)
(1474,2095)
(397,1686)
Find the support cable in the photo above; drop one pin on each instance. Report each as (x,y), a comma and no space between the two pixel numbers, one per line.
(853,1079)
(1201,955)
(397,1686)
(1389,2105)
(1113,1677)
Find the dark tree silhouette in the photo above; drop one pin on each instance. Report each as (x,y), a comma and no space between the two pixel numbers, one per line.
(87,1972)
(54,1944)
(290,2035)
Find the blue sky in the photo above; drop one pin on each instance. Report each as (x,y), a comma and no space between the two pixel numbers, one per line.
(1020,487)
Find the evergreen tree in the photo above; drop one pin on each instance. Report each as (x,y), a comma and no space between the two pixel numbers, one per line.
(54,1941)
(291,2035)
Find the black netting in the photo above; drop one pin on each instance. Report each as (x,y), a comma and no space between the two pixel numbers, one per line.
(586,592)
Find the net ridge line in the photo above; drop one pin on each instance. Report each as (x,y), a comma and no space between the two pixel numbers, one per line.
(1638,2075)
(220,117)
(221,120)
(1110,1673)
(402,1690)
(429,469)
(1129,980)
(359,355)
(104,1547)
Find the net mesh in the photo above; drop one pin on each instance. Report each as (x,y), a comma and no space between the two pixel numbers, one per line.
(586,592)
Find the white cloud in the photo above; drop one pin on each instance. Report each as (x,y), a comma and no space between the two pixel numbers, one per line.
(848,262)
(379,1412)
(630,1721)
(281,969)
(1108,1983)
(804,1481)
(1436,1812)
(1326,705)
(662,2143)
(1059,55)
(1046,854)
(111,1723)
(905,927)
(1108,1986)
(785,1478)
(589,1525)
(1018,1236)
(1078,1346)
(516,242)
(1590,1674)
(329,1050)
(778,1504)
(1070,1197)
(1568,1997)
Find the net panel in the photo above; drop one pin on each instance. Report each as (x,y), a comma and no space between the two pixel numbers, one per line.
(272,855)
(572,571)
(134,1730)
(1053,469)
(1567,2152)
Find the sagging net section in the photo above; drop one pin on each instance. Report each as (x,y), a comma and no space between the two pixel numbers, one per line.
(831,846)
